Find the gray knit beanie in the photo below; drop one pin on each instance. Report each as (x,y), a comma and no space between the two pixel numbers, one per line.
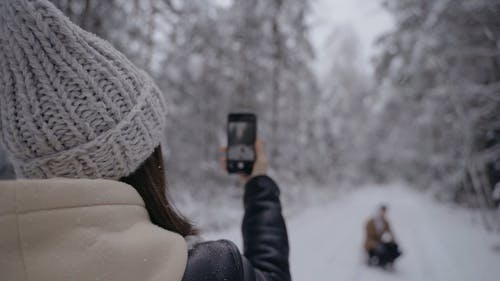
(70,104)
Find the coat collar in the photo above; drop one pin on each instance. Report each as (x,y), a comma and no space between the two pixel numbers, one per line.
(67,229)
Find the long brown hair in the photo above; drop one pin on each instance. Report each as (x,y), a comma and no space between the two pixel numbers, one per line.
(150,181)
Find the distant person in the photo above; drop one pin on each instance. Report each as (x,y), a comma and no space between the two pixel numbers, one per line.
(380,243)
(82,126)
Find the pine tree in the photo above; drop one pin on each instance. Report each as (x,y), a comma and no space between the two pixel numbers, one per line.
(442,62)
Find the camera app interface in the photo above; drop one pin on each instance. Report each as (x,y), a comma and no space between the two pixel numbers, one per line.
(241,140)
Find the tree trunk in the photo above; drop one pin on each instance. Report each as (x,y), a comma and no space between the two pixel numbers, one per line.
(276,87)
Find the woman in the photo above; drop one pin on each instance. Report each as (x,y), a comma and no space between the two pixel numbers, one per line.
(82,126)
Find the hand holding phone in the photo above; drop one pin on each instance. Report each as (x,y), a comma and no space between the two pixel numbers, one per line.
(260,165)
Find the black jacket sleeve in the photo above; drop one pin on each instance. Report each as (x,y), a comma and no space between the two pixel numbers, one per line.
(265,242)
(265,237)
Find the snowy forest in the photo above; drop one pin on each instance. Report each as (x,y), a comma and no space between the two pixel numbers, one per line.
(410,120)
(427,115)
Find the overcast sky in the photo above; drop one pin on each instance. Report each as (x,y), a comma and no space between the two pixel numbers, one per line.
(367,18)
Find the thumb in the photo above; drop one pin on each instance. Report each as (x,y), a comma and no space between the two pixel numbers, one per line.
(259,147)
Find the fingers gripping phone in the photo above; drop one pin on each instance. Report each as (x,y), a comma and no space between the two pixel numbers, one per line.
(241,135)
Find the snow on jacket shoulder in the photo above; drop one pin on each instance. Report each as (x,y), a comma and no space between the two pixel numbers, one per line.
(67,229)
(265,238)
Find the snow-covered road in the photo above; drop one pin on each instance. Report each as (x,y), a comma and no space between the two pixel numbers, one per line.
(440,242)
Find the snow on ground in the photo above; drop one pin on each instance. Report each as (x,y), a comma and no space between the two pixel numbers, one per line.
(439,242)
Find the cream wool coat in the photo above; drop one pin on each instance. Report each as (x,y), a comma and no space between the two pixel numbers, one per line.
(79,230)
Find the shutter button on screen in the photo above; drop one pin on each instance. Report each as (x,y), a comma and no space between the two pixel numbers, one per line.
(241,165)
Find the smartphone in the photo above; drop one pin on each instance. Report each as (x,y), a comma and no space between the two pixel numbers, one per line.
(241,135)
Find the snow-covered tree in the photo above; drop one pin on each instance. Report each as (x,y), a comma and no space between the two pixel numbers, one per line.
(441,64)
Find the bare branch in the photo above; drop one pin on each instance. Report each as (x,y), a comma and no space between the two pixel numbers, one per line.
(172,7)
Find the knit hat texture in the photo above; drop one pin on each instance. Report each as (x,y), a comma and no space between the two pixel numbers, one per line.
(70,104)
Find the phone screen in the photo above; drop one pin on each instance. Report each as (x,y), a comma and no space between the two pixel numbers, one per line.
(241,141)
(242,132)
